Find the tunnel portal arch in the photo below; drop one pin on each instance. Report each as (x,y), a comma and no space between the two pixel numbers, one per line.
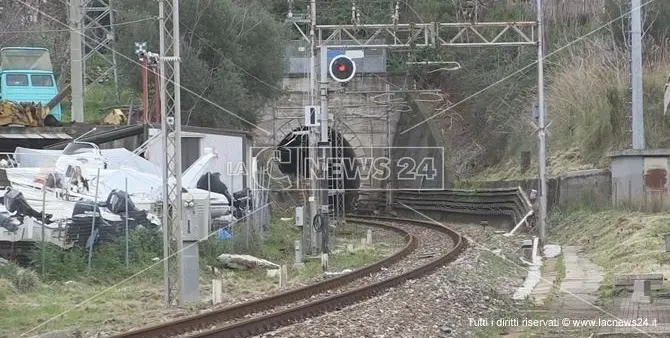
(294,153)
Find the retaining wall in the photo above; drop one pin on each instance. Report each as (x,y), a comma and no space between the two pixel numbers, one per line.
(591,188)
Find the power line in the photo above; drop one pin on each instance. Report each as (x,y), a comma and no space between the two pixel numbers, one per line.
(67,30)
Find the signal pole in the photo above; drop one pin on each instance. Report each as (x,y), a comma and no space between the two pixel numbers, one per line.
(542,155)
(312,136)
(324,146)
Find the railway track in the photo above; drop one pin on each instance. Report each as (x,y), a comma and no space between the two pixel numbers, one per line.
(428,246)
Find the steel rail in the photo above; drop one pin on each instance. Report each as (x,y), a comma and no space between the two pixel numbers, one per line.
(265,323)
(208,319)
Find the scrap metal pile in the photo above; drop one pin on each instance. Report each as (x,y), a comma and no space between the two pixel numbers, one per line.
(82,190)
(28,114)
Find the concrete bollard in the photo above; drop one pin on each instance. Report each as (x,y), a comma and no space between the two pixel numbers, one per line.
(641,291)
(283,276)
(324,262)
(368,239)
(217,285)
(298,255)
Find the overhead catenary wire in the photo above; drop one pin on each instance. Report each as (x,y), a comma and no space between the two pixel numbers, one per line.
(20,31)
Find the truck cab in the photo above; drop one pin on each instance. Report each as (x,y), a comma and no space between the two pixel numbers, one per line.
(26,75)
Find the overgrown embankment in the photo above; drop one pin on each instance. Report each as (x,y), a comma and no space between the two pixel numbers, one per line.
(587,80)
(619,241)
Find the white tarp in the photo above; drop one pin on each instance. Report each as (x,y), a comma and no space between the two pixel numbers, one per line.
(116,159)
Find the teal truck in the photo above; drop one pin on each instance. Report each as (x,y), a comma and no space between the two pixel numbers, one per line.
(26,75)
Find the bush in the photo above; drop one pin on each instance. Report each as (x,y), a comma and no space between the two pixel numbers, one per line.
(107,261)
(23,280)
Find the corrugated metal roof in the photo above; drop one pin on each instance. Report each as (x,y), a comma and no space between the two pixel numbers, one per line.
(51,136)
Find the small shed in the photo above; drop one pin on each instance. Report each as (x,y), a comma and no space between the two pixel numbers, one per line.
(640,179)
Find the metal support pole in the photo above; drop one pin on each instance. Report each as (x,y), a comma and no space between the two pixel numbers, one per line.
(312,55)
(324,145)
(308,230)
(176,160)
(127,197)
(170,98)
(636,75)
(44,215)
(145,88)
(389,193)
(157,98)
(95,215)
(542,156)
(115,69)
(164,161)
(76,61)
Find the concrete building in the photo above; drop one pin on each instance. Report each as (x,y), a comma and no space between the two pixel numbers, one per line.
(233,149)
(640,179)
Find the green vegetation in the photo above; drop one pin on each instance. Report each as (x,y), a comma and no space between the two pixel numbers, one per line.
(619,241)
(554,266)
(232,54)
(587,83)
(105,296)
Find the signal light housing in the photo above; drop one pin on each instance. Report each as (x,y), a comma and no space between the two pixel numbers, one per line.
(342,68)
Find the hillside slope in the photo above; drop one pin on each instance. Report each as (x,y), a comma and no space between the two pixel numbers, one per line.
(587,86)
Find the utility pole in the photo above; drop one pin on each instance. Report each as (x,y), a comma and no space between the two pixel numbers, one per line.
(542,156)
(387,153)
(324,146)
(636,75)
(91,33)
(98,31)
(170,100)
(313,133)
(76,61)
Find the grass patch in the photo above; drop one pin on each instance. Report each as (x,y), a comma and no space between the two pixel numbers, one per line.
(27,301)
(559,268)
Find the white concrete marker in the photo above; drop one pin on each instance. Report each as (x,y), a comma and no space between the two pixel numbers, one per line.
(283,276)
(298,255)
(217,285)
(324,262)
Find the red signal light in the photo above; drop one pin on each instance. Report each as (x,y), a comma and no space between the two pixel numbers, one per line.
(342,68)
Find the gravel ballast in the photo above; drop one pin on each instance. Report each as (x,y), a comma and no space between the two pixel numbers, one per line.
(478,284)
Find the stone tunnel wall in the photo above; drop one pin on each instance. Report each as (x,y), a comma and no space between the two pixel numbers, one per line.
(358,112)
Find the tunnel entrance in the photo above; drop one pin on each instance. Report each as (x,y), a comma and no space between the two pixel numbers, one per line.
(343,181)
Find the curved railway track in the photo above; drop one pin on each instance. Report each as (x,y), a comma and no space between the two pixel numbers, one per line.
(428,247)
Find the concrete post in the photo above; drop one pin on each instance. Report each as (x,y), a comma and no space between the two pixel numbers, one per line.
(324,262)
(217,285)
(298,255)
(283,276)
